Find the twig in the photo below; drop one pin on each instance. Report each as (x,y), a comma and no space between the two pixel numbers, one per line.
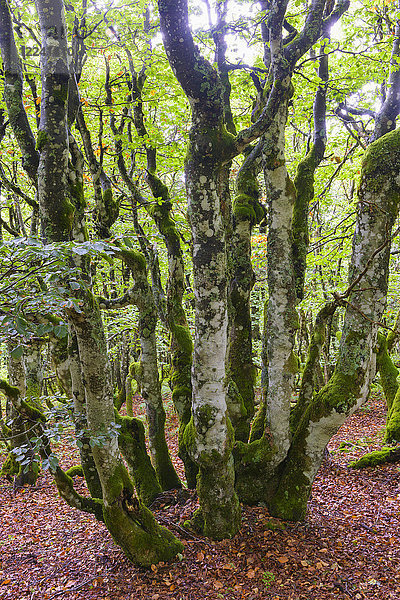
(374,531)
(182,530)
(73,589)
(342,588)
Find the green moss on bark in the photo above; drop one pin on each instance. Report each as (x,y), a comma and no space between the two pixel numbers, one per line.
(132,443)
(392,433)
(289,501)
(221,516)
(133,526)
(41,140)
(75,471)
(376,458)
(253,475)
(304,184)
(387,371)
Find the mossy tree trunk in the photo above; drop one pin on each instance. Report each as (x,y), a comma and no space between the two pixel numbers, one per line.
(388,374)
(270,435)
(392,432)
(171,312)
(379,196)
(309,378)
(56,210)
(304,180)
(80,420)
(13,87)
(208,433)
(181,339)
(239,221)
(211,148)
(141,295)
(247,212)
(132,442)
(282,318)
(33,366)
(64,482)
(60,360)
(387,370)
(365,300)
(132,526)
(17,430)
(129,522)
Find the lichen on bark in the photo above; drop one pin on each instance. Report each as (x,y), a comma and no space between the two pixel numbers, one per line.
(379,196)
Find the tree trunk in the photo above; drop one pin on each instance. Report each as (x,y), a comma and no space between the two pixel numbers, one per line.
(208,434)
(142,296)
(282,318)
(132,526)
(212,436)
(80,421)
(17,430)
(379,196)
(13,88)
(247,212)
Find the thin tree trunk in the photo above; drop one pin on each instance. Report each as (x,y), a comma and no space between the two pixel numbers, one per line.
(282,318)
(247,212)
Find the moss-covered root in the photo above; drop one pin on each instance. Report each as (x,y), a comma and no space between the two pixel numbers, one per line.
(65,487)
(378,457)
(220,511)
(191,468)
(254,468)
(387,371)
(392,433)
(132,444)
(133,526)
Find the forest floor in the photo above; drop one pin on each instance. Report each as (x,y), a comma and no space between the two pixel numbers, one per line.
(348,547)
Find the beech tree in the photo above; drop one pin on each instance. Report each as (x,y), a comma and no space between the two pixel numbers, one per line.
(99,184)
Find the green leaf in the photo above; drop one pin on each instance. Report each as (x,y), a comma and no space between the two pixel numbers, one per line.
(81,250)
(60,331)
(44,328)
(21,325)
(17,352)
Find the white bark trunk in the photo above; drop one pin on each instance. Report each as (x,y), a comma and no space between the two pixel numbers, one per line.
(282,320)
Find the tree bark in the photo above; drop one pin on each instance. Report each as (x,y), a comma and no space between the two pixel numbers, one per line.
(132,526)
(379,196)
(282,318)
(208,434)
(247,212)
(13,87)
(142,296)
